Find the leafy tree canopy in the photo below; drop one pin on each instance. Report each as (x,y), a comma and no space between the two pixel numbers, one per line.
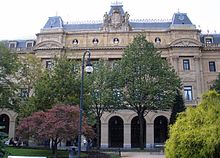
(60,84)
(3,137)
(148,81)
(178,106)
(8,68)
(30,71)
(196,132)
(216,84)
(102,92)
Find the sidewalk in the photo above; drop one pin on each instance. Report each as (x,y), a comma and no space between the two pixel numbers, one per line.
(141,155)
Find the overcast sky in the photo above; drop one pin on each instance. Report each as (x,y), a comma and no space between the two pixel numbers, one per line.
(22,19)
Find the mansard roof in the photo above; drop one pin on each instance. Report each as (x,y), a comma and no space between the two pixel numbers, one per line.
(178,20)
(54,22)
(215,37)
(181,18)
(78,27)
(148,25)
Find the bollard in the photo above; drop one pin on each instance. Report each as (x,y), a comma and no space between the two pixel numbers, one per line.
(119,152)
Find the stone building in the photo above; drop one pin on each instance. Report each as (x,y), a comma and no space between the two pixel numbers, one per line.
(195,57)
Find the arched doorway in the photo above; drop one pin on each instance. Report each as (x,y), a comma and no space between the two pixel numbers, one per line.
(116,132)
(135,132)
(160,129)
(4,121)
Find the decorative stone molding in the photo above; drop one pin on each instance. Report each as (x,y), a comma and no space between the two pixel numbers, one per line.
(185,42)
(116,21)
(48,45)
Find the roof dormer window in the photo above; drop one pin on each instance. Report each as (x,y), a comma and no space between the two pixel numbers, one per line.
(12,45)
(208,40)
(29,44)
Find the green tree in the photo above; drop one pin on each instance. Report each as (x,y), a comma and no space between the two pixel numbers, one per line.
(3,137)
(178,106)
(103,93)
(196,132)
(30,71)
(57,85)
(8,88)
(216,84)
(148,83)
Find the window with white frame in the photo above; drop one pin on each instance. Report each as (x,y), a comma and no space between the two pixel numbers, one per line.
(12,45)
(208,40)
(188,93)
(29,44)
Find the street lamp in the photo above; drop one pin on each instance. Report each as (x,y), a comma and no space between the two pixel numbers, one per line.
(89,69)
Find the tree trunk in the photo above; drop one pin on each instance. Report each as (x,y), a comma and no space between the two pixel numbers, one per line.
(54,148)
(141,121)
(98,131)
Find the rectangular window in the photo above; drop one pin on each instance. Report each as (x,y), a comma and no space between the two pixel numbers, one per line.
(29,44)
(212,67)
(186,65)
(188,93)
(208,40)
(24,93)
(12,45)
(49,64)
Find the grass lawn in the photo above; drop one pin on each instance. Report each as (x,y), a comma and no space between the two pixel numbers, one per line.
(16,151)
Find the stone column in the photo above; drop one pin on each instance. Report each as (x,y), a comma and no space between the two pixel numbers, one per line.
(176,63)
(11,133)
(149,135)
(127,136)
(104,135)
(198,78)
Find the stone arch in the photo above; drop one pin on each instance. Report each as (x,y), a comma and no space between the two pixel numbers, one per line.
(160,129)
(106,118)
(12,119)
(49,44)
(185,42)
(116,132)
(154,115)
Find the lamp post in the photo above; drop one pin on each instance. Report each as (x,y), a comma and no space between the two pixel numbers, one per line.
(89,69)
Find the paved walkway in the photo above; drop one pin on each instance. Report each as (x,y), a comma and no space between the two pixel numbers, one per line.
(141,155)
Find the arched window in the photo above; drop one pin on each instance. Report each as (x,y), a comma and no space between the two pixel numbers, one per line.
(116,132)
(4,121)
(160,129)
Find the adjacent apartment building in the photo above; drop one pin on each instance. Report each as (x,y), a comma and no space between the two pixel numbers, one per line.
(194,56)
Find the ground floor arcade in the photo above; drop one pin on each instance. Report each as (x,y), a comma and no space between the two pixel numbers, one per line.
(121,129)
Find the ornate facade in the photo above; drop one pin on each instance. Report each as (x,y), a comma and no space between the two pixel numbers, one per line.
(194,56)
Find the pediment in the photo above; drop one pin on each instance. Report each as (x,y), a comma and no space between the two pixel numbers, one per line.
(48,45)
(185,42)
